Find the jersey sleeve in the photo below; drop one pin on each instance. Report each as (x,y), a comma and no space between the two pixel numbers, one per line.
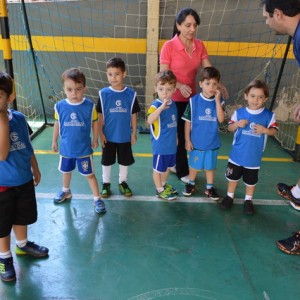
(187,113)
(94,114)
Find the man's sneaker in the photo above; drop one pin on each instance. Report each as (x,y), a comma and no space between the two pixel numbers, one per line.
(285,191)
(105,193)
(7,270)
(32,249)
(185,179)
(166,195)
(290,245)
(189,190)
(226,203)
(212,194)
(62,196)
(170,188)
(248,207)
(99,207)
(125,189)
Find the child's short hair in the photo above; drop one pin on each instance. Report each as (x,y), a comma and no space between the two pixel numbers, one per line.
(259,84)
(116,62)
(209,73)
(74,74)
(6,83)
(166,76)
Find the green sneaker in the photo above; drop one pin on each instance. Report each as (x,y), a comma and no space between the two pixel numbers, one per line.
(7,270)
(170,188)
(105,193)
(125,189)
(166,195)
(32,249)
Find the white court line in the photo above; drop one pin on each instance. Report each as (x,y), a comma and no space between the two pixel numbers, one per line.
(155,199)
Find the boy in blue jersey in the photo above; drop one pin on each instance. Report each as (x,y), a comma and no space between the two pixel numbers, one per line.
(251,126)
(162,117)
(202,117)
(75,117)
(117,110)
(19,173)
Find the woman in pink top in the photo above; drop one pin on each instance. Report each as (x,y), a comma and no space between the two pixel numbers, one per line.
(183,55)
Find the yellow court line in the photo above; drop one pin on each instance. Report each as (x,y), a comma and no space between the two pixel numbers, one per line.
(130,45)
(220,157)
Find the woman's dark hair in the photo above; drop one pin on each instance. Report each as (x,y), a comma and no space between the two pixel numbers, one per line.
(181,16)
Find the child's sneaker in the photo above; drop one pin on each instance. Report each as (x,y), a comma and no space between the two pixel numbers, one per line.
(170,188)
(166,195)
(125,189)
(212,194)
(226,203)
(248,207)
(99,207)
(61,196)
(290,245)
(105,193)
(7,270)
(189,190)
(32,249)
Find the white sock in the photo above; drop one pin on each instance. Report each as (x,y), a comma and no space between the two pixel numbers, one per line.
(66,190)
(296,191)
(231,195)
(248,197)
(123,171)
(106,174)
(21,243)
(6,254)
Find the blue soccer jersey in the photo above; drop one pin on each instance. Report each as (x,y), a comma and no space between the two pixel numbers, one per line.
(164,129)
(247,147)
(16,169)
(117,110)
(75,125)
(202,113)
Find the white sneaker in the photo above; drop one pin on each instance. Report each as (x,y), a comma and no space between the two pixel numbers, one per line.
(173,169)
(185,179)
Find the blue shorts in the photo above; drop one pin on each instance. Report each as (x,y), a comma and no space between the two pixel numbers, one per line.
(203,160)
(162,162)
(85,165)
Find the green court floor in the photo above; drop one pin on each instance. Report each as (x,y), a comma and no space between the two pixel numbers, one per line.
(145,248)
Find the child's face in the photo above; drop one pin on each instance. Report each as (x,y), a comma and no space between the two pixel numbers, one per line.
(4,100)
(164,91)
(74,91)
(115,77)
(209,87)
(256,98)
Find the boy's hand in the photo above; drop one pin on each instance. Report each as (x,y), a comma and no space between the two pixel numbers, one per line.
(218,96)
(36,177)
(259,129)
(188,146)
(54,147)
(133,139)
(95,144)
(165,103)
(242,123)
(103,140)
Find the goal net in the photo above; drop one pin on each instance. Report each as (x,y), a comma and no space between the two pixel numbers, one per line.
(87,33)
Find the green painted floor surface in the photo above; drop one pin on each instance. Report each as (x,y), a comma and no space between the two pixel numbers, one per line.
(144,248)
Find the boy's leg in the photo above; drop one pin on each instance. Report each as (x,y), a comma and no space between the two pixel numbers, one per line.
(24,247)
(7,270)
(210,191)
(66,166)
(99,205)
